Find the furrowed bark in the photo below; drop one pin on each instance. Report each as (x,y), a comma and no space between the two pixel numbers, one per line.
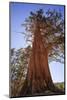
(38,76)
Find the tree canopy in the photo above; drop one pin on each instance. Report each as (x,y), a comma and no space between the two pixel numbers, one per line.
(51,26)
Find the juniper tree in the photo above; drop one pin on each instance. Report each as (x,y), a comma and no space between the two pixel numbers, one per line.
(46,32)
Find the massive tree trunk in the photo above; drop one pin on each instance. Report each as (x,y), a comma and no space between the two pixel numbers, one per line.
(38,76)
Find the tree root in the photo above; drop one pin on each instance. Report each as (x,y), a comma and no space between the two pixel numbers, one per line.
(27,90)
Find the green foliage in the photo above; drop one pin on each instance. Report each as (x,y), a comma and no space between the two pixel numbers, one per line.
(18,68)
(51,26)
(60,85)
(19,64)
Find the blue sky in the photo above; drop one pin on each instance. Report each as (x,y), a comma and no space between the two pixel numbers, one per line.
(20,11)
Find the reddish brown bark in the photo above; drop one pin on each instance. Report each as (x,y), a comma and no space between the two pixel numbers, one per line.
(38,76)
(38,66)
